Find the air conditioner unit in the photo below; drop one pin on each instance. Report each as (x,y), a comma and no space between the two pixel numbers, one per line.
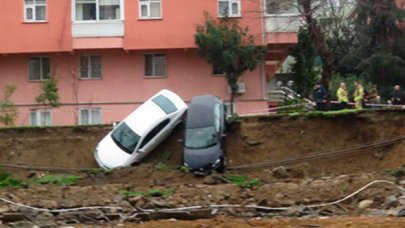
(241,88)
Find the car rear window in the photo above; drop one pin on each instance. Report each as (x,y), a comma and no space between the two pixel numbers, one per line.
(165,104)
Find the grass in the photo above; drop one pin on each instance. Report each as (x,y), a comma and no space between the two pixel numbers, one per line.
(160,166)
(58,179)
(396,172)
(6,181)
(156,192)
(243,181)
(131,193)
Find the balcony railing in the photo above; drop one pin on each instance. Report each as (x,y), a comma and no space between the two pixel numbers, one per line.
(98,28)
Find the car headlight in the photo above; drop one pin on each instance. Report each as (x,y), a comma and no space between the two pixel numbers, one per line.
(216,163)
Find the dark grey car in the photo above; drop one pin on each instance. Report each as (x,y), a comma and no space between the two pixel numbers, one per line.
(204,133)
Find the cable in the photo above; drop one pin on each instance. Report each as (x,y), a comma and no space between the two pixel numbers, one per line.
(47,168)
(212,206)
(319,155)
(280,208)
(58,210)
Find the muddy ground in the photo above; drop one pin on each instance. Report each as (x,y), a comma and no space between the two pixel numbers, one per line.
(250,140)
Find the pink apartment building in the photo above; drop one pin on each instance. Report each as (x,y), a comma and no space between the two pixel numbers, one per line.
(111,55)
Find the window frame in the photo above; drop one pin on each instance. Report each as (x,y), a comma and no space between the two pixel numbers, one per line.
(33,6)
(153,66)
(38,115)
(89,110)
(230,15)
(98,20)
(148,3)
(42,77)
(227,107)
(89,68)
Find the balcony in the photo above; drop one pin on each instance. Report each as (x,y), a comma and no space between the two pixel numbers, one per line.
(97,18)
(282,23)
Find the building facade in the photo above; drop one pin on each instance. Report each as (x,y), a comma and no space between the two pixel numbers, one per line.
(109,56)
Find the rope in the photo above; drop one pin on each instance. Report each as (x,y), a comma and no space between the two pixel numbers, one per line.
(212,206)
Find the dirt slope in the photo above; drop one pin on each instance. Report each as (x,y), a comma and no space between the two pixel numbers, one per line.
(250,140)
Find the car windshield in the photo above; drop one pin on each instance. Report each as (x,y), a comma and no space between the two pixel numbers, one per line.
(125,138)
(199,138)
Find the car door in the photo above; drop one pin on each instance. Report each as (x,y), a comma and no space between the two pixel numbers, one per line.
(153,138)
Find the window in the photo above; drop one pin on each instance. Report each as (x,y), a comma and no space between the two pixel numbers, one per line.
(165,104)
(39,68)
(90,116)
(149,9)
(35,10)
(154,132)
(201,137)
(91,10)
(217,71)
(90,67)
(41,117)
(230,8)
(276,7)
(155,65)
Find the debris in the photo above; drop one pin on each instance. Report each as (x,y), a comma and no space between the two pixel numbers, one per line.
(280,172)
(365,204)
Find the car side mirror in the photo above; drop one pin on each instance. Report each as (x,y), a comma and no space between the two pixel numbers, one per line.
(141,151)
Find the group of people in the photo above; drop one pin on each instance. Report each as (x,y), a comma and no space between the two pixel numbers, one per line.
(361,96)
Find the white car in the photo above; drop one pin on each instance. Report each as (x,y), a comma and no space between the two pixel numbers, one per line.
(141,131)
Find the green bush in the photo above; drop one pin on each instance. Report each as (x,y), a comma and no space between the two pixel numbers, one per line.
(49,93)
(8,110)
(243,181)
(6,181)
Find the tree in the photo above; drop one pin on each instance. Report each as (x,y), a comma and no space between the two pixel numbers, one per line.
(319,37)
(305,75)
(230,48)
(49,93)
(322,38)
(379,55)
(8,110)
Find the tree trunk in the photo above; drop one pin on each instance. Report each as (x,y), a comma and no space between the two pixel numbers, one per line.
(318,38)
(233,84)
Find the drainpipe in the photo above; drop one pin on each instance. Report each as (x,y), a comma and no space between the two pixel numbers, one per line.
(263,64)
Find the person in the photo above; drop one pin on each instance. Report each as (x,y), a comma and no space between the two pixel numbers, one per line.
(396,96)
(365,98)
(342,96)
(373,97)
(319,94)
(358,95)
